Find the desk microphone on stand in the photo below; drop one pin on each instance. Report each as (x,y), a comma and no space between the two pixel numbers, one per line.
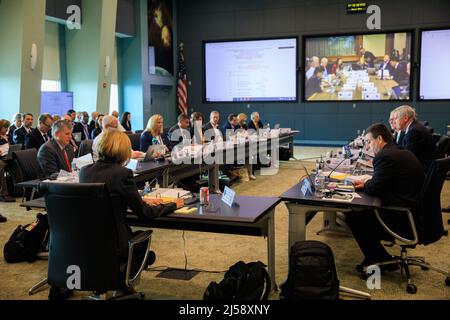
(345,158)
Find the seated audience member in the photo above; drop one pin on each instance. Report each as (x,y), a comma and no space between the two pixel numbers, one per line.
(114,150)
(57,154)
(398,71)
(180,132)
(4,196)
(17,123)
(73,142)
(154,134)
(312,66)
(231,126)
(39,135)
(26,128)
(211,130)
(92,124)
(313,85)
(368,58)
(417,138)
(396,133)
(197,128)
(72,114)
(97,127)
(110,123)
(325,66)
(397,180)
(115,114)
(386,65)
(256,122)
(337,67)
(83,126)
(125,121)
(242,119)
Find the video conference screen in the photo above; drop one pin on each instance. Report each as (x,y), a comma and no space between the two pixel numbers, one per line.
(251,71)
(368,67)
(435,47)
(56,102)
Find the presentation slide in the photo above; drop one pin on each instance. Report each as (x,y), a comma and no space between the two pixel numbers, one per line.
(357,67)
(251,71)
(434,67)
(56,102)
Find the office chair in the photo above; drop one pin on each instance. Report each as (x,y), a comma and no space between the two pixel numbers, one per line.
(427,230)
(84,235)
(29,168)
(442,147)
(135,141)
(85,148)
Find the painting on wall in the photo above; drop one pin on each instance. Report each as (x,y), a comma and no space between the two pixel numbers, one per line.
(160,21)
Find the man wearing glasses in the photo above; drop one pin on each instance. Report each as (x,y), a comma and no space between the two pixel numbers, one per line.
(41,134)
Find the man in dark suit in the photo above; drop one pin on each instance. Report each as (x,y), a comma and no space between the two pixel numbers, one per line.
(83,127)
(26,128)
(197,128)
(397,180)
(211,129)
(17,123)
(314,84)
(417,138)
(57,154)
(255,124)
(386,64)
(398,71)
(180,132)
(231,126)
(39,135)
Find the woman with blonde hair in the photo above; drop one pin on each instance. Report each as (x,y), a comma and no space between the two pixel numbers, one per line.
(154,134)
(242,118)
(114,150)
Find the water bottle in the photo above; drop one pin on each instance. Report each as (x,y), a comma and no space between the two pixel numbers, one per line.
(319,184)
(147,189)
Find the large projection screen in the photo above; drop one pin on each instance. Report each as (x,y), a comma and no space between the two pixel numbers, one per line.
(250,70)
(434,68)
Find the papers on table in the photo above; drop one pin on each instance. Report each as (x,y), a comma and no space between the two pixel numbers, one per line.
(83,161)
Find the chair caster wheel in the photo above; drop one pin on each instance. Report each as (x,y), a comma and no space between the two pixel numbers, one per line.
(447,282)
(151,258)
(411,288)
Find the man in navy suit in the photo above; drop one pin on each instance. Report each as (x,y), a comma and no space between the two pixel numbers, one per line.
(39,135)
(26,128)
(398,71)
(231,126)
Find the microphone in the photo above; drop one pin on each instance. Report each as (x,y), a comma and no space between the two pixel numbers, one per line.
(345,158)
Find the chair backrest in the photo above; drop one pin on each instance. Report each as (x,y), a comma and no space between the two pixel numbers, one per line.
(28,164)
(442,147)
(430,227)
(135,141)
(85,148)
(83,234)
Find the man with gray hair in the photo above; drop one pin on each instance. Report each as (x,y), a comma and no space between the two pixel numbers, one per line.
(57,154)
(416,137)
(313,65)
(110,123)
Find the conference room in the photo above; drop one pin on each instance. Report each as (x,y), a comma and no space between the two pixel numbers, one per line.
(224,150)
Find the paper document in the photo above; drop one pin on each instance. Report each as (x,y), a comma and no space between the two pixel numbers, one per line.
(83,161)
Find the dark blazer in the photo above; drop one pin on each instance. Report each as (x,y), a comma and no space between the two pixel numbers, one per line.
(400,139)
(399,74)
(419,141)
(312,86)
(95,132)
(51,159)
(184,132)
(35,139)
(78,128)
(146,141)
(397,178)
(196,136)
(91,126)
(207,127)
(251,125)
(227,126)
(126,125)
(124,192)
(19,136)
(11,130)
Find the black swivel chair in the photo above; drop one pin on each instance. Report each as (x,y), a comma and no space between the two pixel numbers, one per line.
(135,139)
(85,148)
(29,168)
(428,229)
(84,235)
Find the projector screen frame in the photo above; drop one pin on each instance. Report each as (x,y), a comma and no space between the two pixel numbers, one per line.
(297,69)
(412,31)
(419,61)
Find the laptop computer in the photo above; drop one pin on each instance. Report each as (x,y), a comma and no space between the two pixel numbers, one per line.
(152,150)
(12,148)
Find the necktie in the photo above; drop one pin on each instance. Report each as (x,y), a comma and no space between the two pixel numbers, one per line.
(66,158)
(45,137)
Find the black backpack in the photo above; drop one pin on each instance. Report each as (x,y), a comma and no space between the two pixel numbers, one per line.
(26,241)
(312,273)
(242,281)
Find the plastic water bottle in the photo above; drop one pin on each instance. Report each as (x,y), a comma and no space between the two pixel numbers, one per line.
(147,188)
(319,184)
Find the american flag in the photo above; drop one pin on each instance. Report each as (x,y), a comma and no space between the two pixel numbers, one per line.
(182,84)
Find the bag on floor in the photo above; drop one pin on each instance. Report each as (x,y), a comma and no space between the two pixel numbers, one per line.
(312,273)
(26,241)
(243,281)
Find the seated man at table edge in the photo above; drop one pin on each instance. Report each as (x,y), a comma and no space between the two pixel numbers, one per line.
(397,180)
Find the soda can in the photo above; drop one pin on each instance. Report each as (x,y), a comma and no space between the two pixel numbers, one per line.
(204,196)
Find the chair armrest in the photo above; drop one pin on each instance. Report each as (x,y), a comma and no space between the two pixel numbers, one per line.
(141,237)
(408,212)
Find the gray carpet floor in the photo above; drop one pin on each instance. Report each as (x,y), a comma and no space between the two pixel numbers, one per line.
(216,252)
